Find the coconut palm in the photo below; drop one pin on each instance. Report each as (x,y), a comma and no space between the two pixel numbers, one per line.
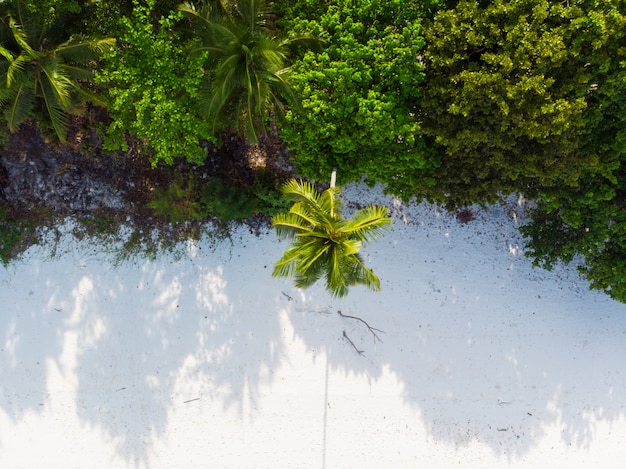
(325,245)
(247,73)
(39,79)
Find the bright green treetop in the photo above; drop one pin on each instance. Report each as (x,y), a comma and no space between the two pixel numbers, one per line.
(325,245)
(360,95)
(154,89)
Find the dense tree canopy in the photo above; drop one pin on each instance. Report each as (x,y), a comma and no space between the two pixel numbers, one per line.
(506,96)
(589,219)
(360,94)
(154,89)
(456,101)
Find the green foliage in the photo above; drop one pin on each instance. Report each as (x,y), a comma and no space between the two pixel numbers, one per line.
(178,202)
(267,194)
(187,199)
(154,89)
(42,79)
(19,230)
(50,9)
(225,201)
(325,245)
(10,236)
(588,221)
(4,136)
(247,74)
(360,95)
(98,224)
(506,97)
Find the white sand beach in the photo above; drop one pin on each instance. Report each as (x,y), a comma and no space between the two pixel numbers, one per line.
(208,362)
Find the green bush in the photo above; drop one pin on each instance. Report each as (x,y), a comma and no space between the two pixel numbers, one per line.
(179,202)
(268,198)
(18,233)
(154,90)
(226,202)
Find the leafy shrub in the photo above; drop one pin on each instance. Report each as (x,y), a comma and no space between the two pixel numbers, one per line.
(224,201)
(360,95)
(18,232)
(154,89)
(10,236)
(178,202)
(268,196)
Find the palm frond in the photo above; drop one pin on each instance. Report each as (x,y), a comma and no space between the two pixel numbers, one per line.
(330,202)
(251,13)
(302,210)
(251,128)
(349,247)
(6,53)
(361,275)
(368,224)
(55,83)
(311,251)
(225,82)
(310,279)
(227,34)
(189,9)
(21,103)
(89,96)
(21,38)
(286,265)
(301,191)
(77,72)
(306,41)
(15,68)
(54,107)
(80,49)
(336,281)
(287,225)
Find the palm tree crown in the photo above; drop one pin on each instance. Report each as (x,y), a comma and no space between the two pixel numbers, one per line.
(247,73)
(325,245)
(41,80)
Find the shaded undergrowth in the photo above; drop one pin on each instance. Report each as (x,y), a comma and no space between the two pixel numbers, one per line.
(124,202)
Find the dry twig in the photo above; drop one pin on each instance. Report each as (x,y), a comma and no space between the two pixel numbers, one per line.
(360,352)
(373,330)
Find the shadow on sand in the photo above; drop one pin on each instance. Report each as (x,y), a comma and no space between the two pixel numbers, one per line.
(487,349)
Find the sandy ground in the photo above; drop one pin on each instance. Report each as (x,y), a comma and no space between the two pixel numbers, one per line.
(209,362)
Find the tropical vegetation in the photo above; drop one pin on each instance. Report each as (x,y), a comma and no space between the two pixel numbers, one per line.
(42,77)
(324,244)
(459,102)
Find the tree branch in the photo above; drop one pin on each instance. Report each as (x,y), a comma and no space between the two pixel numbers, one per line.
(373,330)
(360,352)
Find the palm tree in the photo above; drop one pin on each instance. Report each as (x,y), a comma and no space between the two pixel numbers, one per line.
(247,73)
(325,245)
(43,80)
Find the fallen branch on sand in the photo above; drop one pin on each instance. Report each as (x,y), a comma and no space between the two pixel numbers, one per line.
(373,330)
(360,352)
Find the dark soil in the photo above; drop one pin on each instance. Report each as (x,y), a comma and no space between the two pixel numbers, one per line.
(79,179)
